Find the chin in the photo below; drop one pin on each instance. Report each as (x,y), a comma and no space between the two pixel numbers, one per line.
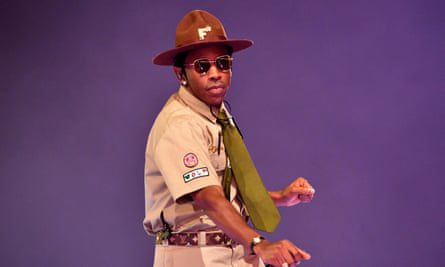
(219,101)
(216,104)
(215,101)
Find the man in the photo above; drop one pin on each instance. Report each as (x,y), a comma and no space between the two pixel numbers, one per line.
(193,206)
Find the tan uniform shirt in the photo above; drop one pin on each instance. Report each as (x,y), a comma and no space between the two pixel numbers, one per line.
(182,157)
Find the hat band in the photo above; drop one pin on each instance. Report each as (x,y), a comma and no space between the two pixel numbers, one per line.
(210,38)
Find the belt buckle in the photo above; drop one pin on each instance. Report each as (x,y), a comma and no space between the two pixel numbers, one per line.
(162,239)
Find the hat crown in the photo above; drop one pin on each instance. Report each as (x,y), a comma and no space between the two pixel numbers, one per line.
(198,29)
(199,26)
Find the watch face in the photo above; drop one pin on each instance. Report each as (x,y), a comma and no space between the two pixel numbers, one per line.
(257,240)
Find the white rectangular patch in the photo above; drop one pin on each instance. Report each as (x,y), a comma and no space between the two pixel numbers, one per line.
(201,172)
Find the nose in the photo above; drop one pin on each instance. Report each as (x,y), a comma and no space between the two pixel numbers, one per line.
(214,73)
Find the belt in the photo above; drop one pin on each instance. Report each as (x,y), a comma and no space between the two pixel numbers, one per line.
(196,239)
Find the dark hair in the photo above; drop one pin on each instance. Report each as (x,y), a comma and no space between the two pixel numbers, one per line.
(179,60)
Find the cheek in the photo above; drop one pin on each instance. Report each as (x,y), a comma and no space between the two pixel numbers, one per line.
(196,82)
(228,78)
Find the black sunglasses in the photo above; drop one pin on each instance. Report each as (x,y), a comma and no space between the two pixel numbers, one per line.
(202,65)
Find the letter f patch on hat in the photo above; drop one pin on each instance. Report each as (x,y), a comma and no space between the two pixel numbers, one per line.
(202,32)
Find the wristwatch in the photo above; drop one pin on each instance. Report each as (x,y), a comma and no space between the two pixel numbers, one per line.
(255,241)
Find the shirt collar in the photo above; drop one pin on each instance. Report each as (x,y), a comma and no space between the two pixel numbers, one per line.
(196,104)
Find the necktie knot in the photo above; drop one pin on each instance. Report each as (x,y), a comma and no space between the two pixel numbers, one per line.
(222,119)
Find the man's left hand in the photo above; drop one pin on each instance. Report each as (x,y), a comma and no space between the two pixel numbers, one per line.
(300,190)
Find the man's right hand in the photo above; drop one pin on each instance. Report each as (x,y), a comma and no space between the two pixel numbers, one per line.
(280,252)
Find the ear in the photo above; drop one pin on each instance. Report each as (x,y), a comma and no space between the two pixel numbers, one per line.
(178,73)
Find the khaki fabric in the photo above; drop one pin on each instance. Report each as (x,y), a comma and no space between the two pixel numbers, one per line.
(204,256)
(185,126)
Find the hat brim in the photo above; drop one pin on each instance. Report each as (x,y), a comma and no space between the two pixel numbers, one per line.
(166,58)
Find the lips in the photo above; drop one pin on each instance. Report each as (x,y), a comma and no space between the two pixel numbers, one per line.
(216,90)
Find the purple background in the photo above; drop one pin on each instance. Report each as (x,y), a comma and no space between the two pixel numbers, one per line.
(349,94)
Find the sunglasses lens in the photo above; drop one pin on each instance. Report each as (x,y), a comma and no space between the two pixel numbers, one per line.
(202,65)
(224,63)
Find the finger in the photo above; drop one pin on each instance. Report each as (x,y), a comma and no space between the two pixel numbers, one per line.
(301,179)
(288,256)
(305,199)
(301,184)
(304,255)
(278,262)
(309,191)
(304,183)
(275,261)
(305,196)
(272,263)
(302,190)
(293,250)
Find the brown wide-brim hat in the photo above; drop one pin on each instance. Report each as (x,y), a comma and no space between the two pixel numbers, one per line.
(198,29)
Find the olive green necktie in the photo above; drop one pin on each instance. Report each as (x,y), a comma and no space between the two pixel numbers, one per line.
(262,210)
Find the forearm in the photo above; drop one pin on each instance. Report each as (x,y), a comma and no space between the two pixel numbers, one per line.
(276,197)
(211,199)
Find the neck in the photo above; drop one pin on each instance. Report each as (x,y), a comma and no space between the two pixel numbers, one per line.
(215,109)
